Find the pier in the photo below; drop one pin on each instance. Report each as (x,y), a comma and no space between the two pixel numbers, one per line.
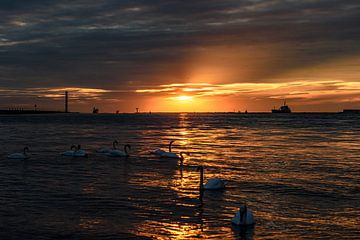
(21,110)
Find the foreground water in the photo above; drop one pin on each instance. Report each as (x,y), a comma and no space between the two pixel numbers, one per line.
(299,173)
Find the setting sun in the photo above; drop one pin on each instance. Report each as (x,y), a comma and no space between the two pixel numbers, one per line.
(184,98)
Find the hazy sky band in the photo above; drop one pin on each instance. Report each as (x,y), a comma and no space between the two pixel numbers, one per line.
(121,47)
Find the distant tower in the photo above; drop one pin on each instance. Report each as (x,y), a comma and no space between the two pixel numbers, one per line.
(95,110)
(137,110)
(66,101)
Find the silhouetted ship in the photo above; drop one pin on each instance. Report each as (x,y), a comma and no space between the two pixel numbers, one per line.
(283,109)
(351,111)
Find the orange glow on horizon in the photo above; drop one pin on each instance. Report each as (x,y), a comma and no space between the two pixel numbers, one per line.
(240,96)
(184,98)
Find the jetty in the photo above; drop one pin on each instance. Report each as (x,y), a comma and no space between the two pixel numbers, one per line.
(20,110)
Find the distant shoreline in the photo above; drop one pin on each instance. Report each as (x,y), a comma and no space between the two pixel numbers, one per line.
(22,112)
(31,112)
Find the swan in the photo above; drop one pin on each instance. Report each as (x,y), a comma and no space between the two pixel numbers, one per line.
(243,217)
(79,152)
(212,184)
(75,152)
(70,153)
(106,149)
(160,152)
(175,156)
(169,155)
(22,155)
(119,153)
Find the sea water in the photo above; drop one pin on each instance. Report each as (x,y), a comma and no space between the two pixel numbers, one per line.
(298,173)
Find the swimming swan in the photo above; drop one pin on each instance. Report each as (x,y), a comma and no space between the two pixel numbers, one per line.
(106,149)
(159,151)
(169,155)
(118,153)
(75,152)
(79,152)
(22,155)
(212,184)
(70,153)
(243,217)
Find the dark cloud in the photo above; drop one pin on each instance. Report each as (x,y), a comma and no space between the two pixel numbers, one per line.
(124,44)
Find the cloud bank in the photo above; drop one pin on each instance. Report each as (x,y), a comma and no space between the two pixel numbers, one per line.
(119,47)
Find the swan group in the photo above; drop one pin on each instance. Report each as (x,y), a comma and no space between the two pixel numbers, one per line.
(243,217)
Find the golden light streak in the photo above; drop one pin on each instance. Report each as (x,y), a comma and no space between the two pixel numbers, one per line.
(155,90)
(298,88)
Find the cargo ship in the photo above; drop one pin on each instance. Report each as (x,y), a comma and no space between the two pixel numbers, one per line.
(283,109)
(351,111)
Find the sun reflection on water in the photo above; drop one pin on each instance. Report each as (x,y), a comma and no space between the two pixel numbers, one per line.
(172,230)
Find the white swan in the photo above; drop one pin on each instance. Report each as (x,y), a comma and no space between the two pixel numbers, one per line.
(107,149)
(75,152)
(70,153)
(160,152)
(79,152)
(118,153)
(169,155)
(22,155)
(212,184)
(243,217)
(175,156)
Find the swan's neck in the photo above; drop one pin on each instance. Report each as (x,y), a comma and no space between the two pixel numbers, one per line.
(243,215)
(126,149)
(181,159)
(201,189)
(201,179)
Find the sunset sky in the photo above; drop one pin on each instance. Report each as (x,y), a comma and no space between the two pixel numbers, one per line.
(173,55)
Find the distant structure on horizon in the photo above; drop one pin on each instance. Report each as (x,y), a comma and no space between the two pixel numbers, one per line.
(283,109)
(36,110)
(357,111)
(95,110)
(66,101)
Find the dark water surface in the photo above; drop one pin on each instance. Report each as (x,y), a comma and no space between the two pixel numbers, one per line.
(299,173)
